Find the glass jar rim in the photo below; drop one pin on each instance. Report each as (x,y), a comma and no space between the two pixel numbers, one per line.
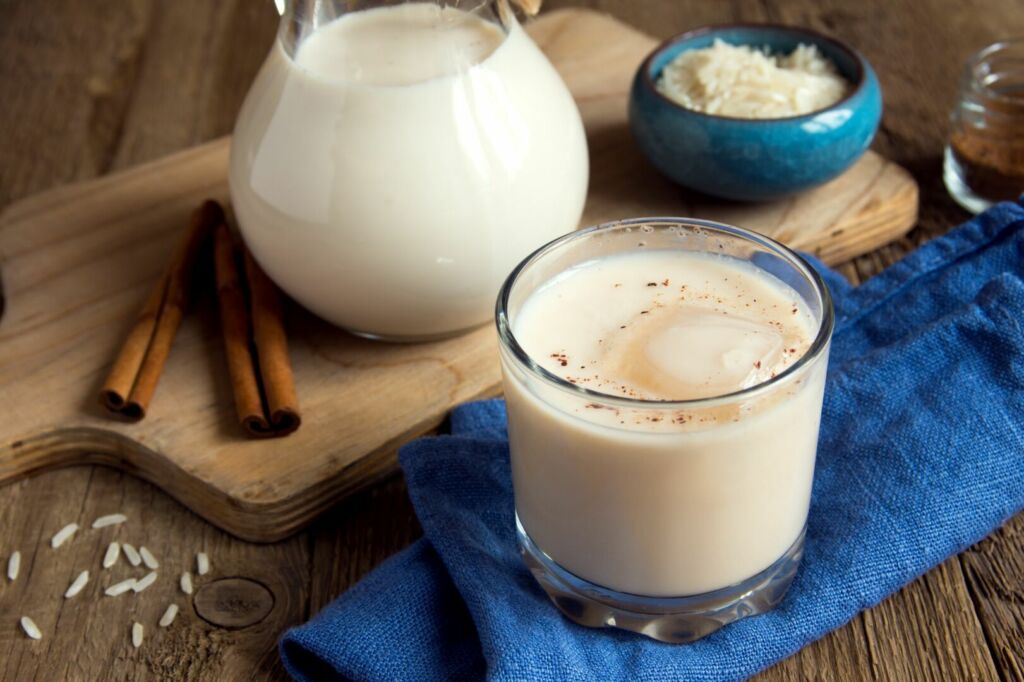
(818,346)
(975,79)
(294,26)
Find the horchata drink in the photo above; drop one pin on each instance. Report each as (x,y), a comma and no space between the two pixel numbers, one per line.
(664,383)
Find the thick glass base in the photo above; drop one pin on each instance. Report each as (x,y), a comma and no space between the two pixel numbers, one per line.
(670,619)
(952,176)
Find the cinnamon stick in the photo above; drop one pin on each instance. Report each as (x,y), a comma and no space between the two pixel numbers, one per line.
(255,344)
(282,405)
(234,323)
(133,378)
(118,385)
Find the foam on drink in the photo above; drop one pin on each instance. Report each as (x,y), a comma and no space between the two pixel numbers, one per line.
(665,325)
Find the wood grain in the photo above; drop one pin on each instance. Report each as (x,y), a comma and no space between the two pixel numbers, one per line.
(361,399)
(93,87)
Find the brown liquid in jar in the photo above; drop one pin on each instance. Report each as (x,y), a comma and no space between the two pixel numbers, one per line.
(991,157)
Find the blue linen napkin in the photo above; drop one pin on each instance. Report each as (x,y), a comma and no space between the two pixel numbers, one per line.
(920,455)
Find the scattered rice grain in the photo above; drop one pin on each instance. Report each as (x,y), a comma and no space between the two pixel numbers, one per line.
(137,633)
(30,628)
(131,555)
(169,615)
(109,520)
(63,534)
(110,558)
(144,582)
(76,586)
(120,588)
(13,566)
(186,582)
(148,558)
(202,563)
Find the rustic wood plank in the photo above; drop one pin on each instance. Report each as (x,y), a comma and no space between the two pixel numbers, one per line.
(841,656)
(210,52)
(994,569)
(87,637)
(929,630)
(69,73)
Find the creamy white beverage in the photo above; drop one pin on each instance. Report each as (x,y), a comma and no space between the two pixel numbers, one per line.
(676,500)
(390,172)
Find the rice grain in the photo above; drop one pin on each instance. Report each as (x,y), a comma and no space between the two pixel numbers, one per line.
(144,582)
(186,582)
(137,633)
(169,615)
(30,628)
(76,586)
(202,563)
(120,588)
(148,558)
(13,566)
(131,555)
(63,534)
(110,558)
(109,520)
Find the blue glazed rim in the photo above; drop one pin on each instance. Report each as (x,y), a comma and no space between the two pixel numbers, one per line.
(859,62)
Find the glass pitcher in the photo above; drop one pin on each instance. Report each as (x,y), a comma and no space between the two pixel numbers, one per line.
(394,160)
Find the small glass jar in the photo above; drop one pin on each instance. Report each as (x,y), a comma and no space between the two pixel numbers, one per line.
(676,529)
(984,159)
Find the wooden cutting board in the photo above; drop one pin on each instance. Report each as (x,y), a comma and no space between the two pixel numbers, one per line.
(77,262)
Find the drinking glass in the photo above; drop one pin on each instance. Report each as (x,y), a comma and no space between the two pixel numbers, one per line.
(677,530)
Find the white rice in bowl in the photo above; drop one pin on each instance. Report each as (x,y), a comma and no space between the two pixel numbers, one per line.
(747,82)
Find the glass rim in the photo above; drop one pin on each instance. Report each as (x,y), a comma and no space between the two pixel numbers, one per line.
(508,341)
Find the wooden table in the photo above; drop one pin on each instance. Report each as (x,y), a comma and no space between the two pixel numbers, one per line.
(87,88)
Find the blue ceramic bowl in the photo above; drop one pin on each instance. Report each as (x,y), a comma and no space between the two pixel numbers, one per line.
(754,159)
